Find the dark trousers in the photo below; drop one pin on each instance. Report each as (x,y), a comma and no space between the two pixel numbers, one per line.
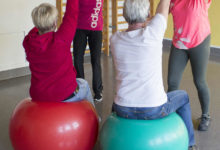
(94,39)
(199,57)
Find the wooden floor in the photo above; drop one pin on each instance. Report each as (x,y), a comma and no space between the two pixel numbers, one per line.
(14,90)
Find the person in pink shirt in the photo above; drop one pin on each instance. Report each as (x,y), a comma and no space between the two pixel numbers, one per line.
(53,76)
(89,28)
(191,41)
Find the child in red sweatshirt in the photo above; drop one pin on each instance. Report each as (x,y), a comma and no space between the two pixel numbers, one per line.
(53,77)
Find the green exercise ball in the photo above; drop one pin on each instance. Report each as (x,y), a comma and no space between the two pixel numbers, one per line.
(168,133)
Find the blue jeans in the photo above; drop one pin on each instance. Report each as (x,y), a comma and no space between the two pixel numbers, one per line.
(178,101)
(83,93)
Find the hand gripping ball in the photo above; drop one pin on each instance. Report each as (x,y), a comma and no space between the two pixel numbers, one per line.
(53,126)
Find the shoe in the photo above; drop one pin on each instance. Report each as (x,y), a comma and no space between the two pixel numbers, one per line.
(98,97)
(204,123)
(194,147)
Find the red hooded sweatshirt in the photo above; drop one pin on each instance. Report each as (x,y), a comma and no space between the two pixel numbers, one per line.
(53,76)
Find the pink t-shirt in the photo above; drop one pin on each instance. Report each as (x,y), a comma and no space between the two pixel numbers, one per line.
(90,15)
(191,23)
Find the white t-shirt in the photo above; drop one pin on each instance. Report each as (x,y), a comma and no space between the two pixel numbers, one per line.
(137,57)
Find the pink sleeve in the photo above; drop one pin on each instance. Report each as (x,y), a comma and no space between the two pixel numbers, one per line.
(209,3)
(172,2)
(204,3)
(67,29)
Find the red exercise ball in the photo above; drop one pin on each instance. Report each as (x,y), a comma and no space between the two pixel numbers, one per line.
(53,126)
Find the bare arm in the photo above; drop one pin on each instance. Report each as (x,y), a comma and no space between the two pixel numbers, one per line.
(163,8)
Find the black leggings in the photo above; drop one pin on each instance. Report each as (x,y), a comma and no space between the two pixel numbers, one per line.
(95,44)
(199,57)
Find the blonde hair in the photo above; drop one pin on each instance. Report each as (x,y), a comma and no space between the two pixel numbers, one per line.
(44,17)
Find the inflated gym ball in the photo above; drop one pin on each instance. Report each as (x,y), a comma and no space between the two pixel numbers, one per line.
(53,126)
(168,133)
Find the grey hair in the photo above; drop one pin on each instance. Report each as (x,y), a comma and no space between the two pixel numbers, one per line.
(136,11)
(44,16)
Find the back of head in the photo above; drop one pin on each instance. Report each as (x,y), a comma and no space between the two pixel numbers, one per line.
(136,11)
(44,17)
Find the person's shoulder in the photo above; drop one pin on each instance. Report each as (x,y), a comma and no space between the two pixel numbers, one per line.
(158,21)
(156,27)
(115,35)
(160,17)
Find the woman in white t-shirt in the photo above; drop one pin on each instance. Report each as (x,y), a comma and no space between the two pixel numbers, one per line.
(137,56)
